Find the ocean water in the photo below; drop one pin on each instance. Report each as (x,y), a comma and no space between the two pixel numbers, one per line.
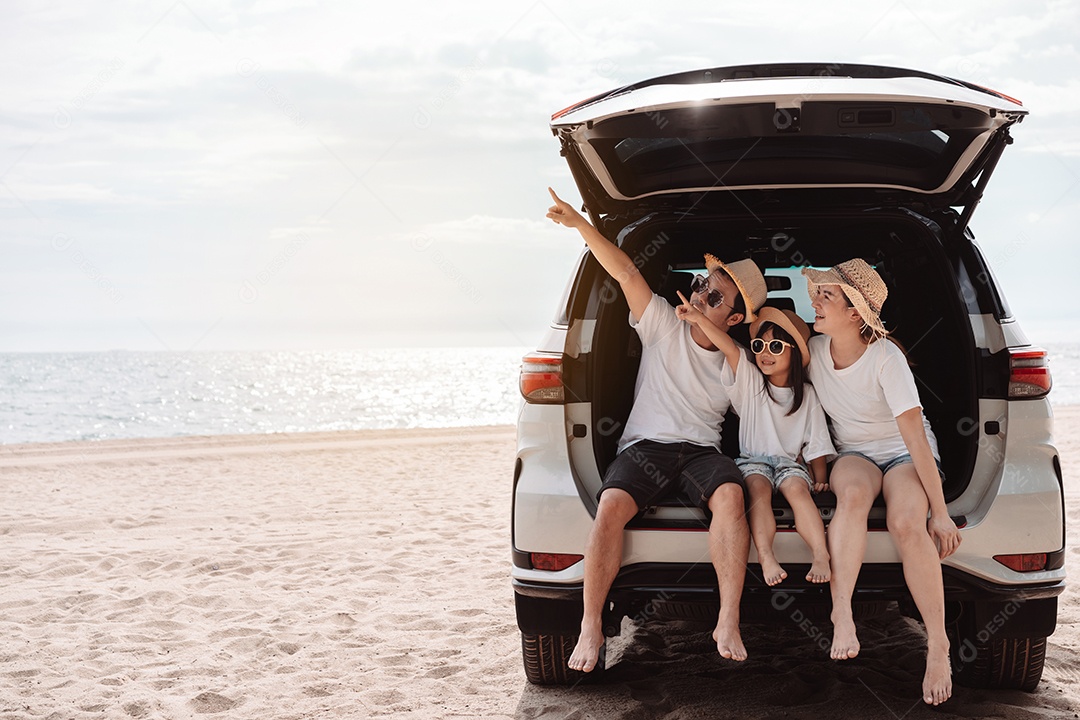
(1065,371)
(49,397)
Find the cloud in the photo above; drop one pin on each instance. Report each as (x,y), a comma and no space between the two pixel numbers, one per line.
(35,192)
(190,148)
(304,231)
(486,230)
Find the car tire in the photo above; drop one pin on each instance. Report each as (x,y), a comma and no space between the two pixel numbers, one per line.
(1004,664)
(545,658)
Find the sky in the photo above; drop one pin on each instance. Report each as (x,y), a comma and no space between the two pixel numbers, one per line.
(201,175)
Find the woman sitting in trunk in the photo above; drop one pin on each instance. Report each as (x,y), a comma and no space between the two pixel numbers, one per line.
(885,446)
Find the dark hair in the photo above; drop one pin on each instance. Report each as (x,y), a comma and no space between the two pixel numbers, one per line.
(738,305)
(796,374)
(870,336)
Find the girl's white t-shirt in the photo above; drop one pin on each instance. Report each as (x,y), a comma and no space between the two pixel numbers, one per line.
(678,396)
(765,428)
(864,399)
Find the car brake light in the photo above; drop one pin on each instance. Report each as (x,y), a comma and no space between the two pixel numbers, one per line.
(576,105)
(1031,562)
(553,561)
(999,94)
(1029,373)
(541,379)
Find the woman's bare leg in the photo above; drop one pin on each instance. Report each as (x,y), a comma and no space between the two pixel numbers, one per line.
(906,508)
(856,482)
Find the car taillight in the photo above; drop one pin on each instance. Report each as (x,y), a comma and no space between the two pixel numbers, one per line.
(576,105)
(1029,373)
(1031,562)
(541,379)
(999,94)
(553,561)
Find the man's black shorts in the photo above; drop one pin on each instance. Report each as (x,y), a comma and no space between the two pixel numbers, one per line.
(651,471)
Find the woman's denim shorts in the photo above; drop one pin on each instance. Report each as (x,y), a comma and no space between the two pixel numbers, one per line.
(888,465)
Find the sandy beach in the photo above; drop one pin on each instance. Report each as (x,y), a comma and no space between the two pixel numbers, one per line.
(366,574)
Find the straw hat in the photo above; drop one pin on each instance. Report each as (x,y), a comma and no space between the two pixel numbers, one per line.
(792,324)
(747,277)
(860,283)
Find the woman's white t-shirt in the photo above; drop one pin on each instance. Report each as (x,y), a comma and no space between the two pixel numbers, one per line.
(864,399)
(765,428)
(678,396)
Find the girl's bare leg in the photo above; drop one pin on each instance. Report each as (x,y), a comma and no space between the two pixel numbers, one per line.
(763,528)
(809,526)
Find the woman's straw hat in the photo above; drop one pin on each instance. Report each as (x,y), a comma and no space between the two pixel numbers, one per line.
(861,284)
(747,277)
(792,324)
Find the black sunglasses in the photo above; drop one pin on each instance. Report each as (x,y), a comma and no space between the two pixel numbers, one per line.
(700,284)
(776,347)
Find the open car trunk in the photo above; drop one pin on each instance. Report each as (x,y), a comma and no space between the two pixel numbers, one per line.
(671,140)
(905,248)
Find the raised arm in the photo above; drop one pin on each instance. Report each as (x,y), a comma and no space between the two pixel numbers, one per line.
(940,526)
(610,256)
(716,336)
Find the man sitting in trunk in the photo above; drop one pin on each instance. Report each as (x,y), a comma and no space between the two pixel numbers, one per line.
(672,437)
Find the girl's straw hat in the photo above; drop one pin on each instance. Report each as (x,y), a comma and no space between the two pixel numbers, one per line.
(792,324)
(862,286)
(747,277)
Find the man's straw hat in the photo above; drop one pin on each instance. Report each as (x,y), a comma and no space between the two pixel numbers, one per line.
(747,277)
(862,286)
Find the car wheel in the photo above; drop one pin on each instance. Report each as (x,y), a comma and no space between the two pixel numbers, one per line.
(1006,664)
(545,658)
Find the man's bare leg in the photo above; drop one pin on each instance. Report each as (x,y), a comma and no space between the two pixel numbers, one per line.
(856,482)
(603,557)
(729,548)
(906,507)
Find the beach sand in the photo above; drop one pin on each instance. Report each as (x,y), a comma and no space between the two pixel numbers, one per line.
(366,574)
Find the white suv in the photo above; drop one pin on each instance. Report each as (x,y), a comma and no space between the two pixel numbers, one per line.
(793,166)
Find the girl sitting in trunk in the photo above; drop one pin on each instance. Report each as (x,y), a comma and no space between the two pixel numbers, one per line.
(780,420)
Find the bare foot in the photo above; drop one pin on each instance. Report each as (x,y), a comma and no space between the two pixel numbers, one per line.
(587,650)
(845,643)
(819,571)
(937,682)
(729,641)
(771,570)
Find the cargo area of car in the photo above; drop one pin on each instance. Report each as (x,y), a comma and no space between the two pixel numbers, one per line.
(921,272)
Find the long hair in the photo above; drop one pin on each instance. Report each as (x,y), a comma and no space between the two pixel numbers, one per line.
(796,373)
(870,336)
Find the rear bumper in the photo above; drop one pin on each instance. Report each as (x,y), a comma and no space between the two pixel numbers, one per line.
(880,581)
(646,590)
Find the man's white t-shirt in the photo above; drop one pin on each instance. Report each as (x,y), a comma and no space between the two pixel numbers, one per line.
(765,428)
(678,396)
(864,399)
